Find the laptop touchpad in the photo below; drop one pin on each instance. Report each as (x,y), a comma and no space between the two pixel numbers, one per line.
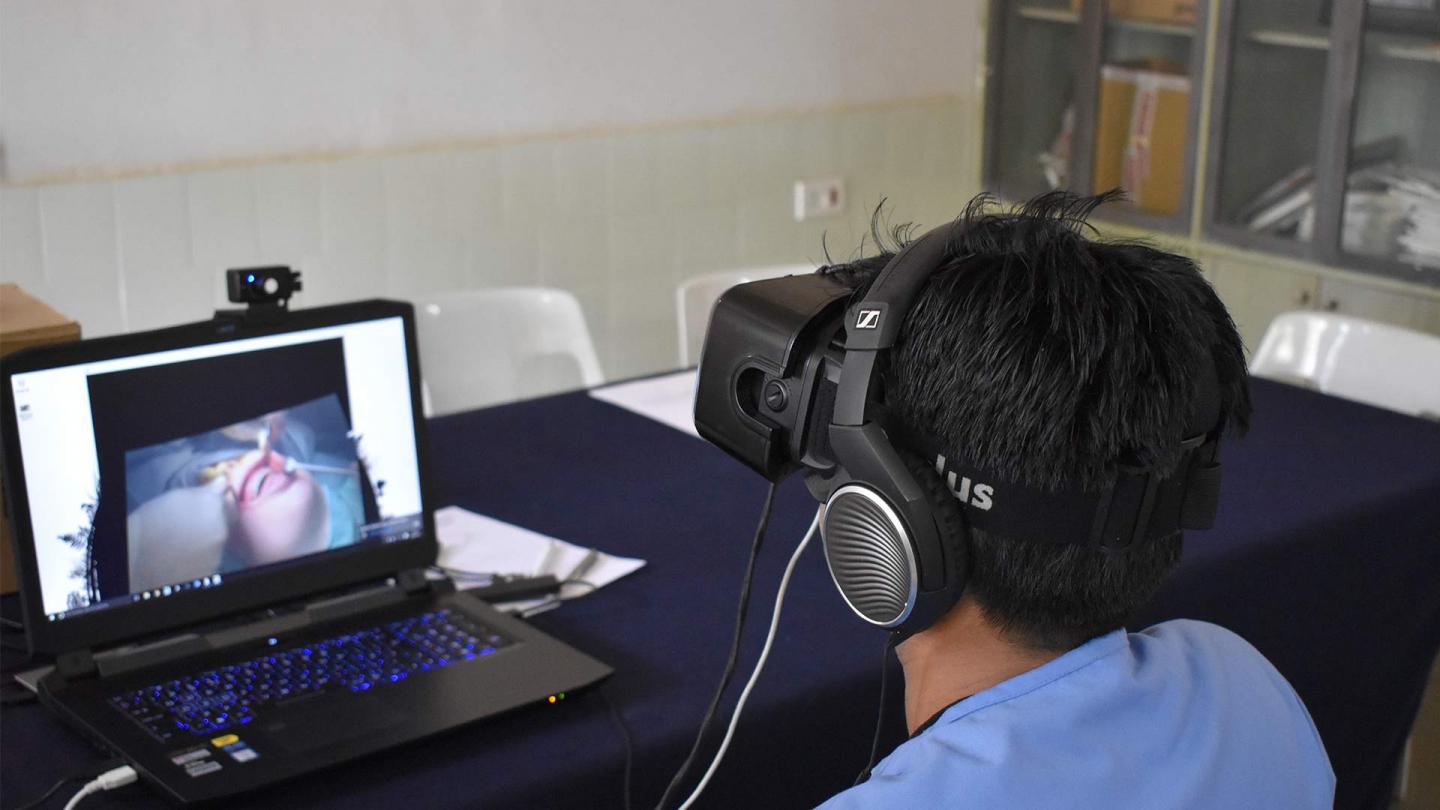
(318,722)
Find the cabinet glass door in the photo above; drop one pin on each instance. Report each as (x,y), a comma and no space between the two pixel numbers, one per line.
(1270,119)
(1143,109)
(1032,101)
(1392,190)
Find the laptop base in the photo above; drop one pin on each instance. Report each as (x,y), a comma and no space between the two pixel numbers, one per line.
(326,728)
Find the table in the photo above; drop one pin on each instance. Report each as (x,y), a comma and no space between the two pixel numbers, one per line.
(1326,556)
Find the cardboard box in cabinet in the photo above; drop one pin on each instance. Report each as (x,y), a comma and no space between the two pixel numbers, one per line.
(1140,133)
(25,321)
(1180,12)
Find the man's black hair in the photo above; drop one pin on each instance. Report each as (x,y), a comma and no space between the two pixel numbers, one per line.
(1047,357)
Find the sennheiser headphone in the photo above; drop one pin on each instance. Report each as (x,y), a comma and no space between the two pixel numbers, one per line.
(787,383)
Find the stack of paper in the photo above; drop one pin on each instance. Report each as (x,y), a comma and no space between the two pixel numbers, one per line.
(1391,209)
(1373,215)
(1420,236)
(477,544)
(1287,206)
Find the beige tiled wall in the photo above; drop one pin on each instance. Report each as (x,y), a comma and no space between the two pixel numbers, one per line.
(618,219)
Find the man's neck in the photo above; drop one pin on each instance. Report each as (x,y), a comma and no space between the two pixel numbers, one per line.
(959,655)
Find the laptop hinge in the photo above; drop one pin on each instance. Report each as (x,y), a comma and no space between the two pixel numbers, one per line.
(413,581)
(75,664)
(81,663)
(359,601)
(138,656)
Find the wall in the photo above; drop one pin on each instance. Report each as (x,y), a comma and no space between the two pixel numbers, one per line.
(611,149)
(618,220)
(102,86)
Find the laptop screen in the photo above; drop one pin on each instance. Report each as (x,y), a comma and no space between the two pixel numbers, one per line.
(156,474)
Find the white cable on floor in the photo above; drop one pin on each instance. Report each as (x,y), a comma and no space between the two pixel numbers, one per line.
(759,665)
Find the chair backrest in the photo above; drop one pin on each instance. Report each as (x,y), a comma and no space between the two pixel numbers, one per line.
(482,347)
(1354,358)
(696,297)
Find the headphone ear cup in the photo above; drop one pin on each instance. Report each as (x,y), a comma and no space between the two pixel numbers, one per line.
(870,554)
(949,522)
(874,558)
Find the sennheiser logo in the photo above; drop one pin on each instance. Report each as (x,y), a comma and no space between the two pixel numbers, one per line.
(869,319)
(980,496)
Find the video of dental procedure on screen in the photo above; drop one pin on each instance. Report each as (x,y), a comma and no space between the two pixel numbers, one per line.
(272,488)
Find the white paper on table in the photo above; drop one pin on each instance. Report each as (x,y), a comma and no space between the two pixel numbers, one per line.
(668,399)
(480,544)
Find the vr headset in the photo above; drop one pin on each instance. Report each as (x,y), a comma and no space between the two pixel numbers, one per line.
(787,382)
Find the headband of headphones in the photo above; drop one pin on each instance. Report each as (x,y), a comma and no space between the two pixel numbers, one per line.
(785,384)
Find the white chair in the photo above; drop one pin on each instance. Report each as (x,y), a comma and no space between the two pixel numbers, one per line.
(1353,358)
(696,297)
(482,347)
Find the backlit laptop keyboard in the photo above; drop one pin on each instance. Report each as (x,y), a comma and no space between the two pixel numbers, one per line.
(356,662)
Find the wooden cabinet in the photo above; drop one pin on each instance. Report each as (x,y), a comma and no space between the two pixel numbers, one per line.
(25,322)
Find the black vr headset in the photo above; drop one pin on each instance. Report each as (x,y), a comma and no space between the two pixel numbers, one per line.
(787,383)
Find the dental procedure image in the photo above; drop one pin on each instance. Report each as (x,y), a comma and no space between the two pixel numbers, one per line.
(272,488)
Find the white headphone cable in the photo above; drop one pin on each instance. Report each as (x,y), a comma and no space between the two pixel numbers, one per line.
(759,665)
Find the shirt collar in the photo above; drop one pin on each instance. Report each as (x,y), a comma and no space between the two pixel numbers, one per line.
(1048,672)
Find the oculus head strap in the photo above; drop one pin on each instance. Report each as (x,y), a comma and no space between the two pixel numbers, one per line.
(786,383)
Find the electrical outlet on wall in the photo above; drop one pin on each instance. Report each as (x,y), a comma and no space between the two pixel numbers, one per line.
(819,198)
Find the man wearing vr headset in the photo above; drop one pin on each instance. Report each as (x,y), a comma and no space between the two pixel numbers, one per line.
(1005,481)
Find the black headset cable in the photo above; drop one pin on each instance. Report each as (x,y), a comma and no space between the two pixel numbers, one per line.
(734,649)
(890,642)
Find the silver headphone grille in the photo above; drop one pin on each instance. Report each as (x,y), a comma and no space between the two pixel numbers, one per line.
(869,555)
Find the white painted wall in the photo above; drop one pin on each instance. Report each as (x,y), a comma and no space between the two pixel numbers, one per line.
(405,148)
(92,86)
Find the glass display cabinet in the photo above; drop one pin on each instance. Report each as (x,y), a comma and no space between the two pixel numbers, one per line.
(1266,114)
(1091,96)
(1389,220)
(1031,103)
(1326,133)
(1304,128)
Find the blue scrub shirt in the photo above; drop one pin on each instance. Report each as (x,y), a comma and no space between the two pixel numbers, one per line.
(1182,715)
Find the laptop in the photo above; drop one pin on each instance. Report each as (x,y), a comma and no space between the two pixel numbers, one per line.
(223,532)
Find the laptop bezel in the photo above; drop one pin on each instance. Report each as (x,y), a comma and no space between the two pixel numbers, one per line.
(290,581)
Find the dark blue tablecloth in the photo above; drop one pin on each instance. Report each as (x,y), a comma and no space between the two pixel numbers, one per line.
(1326,557)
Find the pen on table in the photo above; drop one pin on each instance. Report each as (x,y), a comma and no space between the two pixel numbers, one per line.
(586,563)
(548,561)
